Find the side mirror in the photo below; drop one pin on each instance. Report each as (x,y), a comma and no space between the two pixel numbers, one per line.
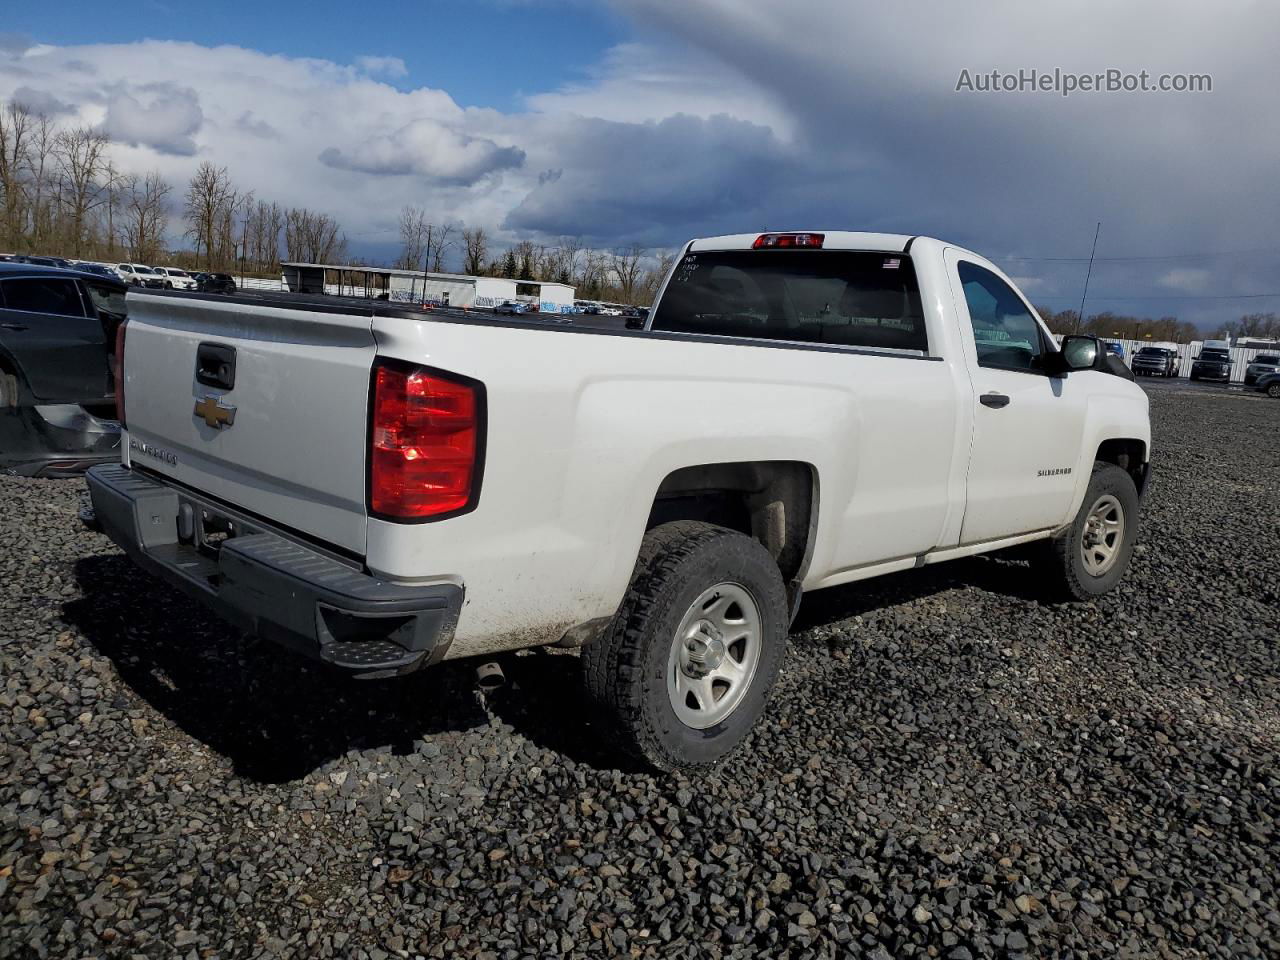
(1077,353)
(1081,353)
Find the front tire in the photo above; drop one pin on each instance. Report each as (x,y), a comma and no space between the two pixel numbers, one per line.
(1089,557)
(1273,391)
(685,668)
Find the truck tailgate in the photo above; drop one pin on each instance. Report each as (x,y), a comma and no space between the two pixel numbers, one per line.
(289,434)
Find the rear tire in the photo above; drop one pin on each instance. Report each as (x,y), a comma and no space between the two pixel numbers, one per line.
(1089,557)
(685,668)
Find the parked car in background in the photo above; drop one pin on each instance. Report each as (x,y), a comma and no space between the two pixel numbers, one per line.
(175,278)
(97,269)
(214,282)
(40,261)
(512,308)
(1259,366)
(1113,348)
(139,275)
(1269,383)
(57,358)
(1212,364)
(1155,362)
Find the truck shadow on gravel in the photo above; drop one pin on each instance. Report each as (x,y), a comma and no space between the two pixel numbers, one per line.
(277,716)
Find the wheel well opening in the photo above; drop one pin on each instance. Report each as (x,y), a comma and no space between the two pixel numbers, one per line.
(770,501)
(1129,455)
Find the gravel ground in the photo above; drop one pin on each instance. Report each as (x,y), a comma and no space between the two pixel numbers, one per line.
(950,768)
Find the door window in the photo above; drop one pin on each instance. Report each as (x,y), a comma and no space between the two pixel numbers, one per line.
(1005,332)
(51,295)
(106,299)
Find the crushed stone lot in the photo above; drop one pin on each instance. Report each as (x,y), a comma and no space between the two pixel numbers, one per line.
(949,768)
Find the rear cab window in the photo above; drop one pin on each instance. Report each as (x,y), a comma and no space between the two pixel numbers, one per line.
(835,297)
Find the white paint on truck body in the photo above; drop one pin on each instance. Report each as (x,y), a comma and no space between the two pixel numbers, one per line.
(583,427)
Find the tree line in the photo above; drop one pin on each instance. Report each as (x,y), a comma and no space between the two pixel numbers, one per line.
(629,274)
(1111,325)
(61,193)
(1108,325)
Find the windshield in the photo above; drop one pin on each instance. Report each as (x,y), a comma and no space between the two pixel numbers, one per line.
(141,269)
(176,273)
(1152,352)
(1266,358)
(810,296)
(1217,355)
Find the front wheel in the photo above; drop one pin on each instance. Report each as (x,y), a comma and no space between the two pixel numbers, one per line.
(1273,391)
(685,668)
(1089,557)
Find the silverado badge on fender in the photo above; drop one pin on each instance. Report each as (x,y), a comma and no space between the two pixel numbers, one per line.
(214,413)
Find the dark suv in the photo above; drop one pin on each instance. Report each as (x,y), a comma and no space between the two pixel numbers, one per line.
(1260,366)
(1156,362)
(215,283)
(1212,364)
(57,383)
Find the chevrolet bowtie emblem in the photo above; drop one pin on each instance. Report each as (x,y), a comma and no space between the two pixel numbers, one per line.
(211,410)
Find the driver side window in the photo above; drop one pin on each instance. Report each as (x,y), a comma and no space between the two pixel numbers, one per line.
(1005,332)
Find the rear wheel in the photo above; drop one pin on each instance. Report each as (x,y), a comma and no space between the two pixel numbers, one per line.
(685,668)
(1089,557)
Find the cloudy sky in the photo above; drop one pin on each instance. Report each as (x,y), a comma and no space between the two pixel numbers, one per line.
(657,120)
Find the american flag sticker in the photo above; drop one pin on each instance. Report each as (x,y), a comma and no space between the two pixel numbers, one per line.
(892,263)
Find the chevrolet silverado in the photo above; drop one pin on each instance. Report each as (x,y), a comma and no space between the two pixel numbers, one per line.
(384,489)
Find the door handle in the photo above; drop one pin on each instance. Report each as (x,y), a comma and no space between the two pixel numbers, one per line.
(994,400)
(14,326)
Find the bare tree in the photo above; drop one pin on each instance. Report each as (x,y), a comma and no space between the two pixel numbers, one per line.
(15,129)
(438,243)
(81,156)
(146,215)
(652,279)
(524,260)
(413,239)
(262,236)
(475,247)
(313,237)
(570,252)
(208,195)
(625,266)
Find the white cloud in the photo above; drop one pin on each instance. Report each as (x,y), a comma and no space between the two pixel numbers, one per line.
(159,115)
(388,66)
(1189,279)
(634,83)
(426,148)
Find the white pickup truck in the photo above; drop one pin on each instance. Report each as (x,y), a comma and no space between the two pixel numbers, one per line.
(384,489)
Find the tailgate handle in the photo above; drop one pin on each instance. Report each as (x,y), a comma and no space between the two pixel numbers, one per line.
(216,365)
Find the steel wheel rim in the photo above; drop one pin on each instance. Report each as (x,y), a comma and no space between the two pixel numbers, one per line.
(1103,535)
(714,655)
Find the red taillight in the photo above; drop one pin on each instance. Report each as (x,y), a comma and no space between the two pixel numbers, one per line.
(424,443)
(773,241)
(119,371)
